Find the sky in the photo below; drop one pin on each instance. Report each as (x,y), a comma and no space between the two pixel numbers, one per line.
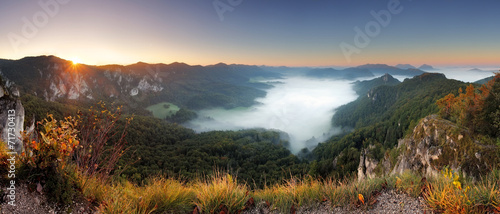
(256,32)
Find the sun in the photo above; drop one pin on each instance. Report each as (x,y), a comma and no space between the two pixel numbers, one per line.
(75,61)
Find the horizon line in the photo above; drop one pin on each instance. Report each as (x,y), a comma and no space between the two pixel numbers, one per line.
(262,65)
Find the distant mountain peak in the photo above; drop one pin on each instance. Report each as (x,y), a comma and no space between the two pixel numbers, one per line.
(179,64)
(475,69)
(386,77)
(363,87)
(220,64)
(369,65)
(381,69)
(405,66)
(426,67)
(431,76)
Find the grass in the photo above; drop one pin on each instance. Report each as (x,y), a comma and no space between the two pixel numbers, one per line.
(221,192)
(159,195)
(294,192)
(163,110)
(447,194)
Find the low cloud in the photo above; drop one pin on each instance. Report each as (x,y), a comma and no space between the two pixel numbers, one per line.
(467,74)
(299,106)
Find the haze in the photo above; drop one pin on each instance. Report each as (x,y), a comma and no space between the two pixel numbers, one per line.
(468,74)
(301,107)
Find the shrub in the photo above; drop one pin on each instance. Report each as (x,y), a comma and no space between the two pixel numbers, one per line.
(53,145)
(45,158)
(96,155)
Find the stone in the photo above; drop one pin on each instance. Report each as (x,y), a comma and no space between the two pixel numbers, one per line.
(10,104)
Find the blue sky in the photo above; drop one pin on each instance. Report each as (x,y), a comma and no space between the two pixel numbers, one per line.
(293,33)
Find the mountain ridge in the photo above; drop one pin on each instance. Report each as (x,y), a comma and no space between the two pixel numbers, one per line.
(53,78)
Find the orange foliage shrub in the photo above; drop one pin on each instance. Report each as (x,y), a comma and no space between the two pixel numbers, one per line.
(54,143)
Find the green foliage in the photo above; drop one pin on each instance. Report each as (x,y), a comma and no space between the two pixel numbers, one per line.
(181,116)
(39,108)
(398,105)
(256,156)
(60,185)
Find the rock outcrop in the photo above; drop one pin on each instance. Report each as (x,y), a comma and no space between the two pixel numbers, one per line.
(370,167)
(11,116)
(366,165)
(436,143)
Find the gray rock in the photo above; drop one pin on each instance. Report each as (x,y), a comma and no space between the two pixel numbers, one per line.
(11,123)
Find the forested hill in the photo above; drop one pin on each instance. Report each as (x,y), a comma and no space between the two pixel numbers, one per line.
(380,118)
(414,98)
(137,85)
(363,87)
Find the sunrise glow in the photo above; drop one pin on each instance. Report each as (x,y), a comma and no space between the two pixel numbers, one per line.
(298,33)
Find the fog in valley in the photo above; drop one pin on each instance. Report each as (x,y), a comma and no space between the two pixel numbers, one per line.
(301,107)
(467,74)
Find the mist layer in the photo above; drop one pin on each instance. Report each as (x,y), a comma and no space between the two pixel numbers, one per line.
(301,107)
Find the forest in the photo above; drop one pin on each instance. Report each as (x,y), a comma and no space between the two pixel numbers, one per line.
(387,113)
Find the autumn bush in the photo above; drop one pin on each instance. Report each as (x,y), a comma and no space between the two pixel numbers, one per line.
(46,155)
(62,156)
